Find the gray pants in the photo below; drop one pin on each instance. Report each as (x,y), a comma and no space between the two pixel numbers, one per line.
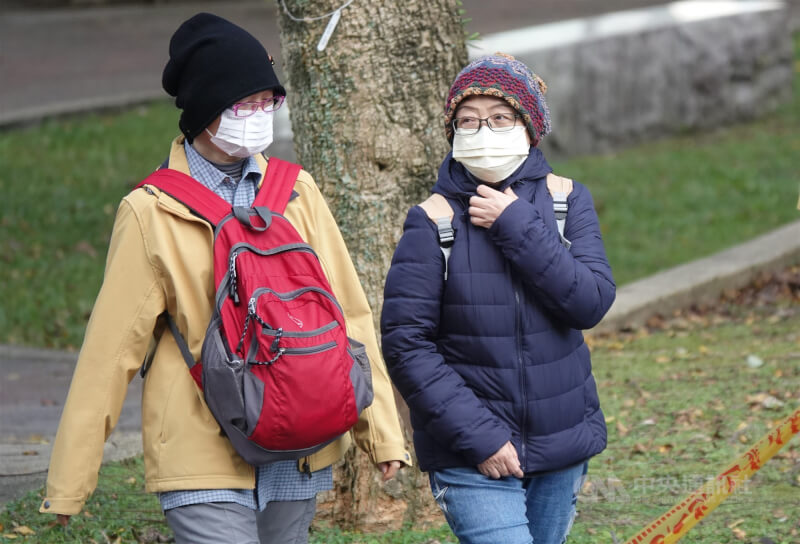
(282,522)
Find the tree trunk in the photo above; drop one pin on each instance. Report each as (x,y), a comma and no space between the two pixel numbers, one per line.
(367,117)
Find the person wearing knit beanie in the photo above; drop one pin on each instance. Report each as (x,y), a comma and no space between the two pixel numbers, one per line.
(161,272)
(505,77)
(214,63)
(493,280)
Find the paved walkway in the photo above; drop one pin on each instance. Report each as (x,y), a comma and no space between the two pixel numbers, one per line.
(55,62)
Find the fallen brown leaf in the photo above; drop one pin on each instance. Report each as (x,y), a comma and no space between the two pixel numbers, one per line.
(24,530)
(86,248)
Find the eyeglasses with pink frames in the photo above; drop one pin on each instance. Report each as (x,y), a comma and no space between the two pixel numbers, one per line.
(246,109)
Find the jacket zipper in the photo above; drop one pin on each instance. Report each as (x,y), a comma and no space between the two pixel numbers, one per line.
(518,336)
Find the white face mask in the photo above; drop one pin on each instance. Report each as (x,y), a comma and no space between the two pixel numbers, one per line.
(492,156)
(243,136)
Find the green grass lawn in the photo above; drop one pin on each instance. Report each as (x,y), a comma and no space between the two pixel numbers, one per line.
(56,215)
(660,204)
(671,201)
(681,403)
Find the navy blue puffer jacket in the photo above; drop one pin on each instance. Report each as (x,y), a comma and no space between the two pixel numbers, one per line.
(495,352)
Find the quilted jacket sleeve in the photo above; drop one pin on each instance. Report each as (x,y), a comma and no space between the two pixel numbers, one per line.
(574,284)
(435,393)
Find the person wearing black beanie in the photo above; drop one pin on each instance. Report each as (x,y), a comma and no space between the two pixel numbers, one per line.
(214,63)
(161,262)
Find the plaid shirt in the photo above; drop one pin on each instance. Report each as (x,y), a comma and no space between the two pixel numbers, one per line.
(279,481)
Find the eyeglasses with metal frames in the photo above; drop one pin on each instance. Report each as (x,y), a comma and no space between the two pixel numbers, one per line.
(498,122)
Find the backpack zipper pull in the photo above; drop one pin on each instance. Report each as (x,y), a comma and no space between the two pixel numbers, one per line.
(275,343)
(232,291)
(251,312)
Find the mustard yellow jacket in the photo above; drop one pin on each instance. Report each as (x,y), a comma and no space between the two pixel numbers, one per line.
(160,258)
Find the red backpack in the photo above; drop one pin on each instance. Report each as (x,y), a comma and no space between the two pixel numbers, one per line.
(278,370)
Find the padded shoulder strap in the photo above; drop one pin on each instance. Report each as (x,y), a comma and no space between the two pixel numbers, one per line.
(560,188)
(196,196)
(441,212)
(276,189)
(436,206)
(557,184)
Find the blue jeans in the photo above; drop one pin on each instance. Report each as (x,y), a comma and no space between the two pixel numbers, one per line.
(480,510)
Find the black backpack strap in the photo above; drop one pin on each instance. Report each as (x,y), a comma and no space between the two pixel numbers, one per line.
(182,345)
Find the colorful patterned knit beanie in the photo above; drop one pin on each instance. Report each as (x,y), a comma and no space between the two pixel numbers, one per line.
(505,77)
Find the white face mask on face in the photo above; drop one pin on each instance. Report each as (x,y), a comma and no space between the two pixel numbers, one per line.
(492,156)
(243,136)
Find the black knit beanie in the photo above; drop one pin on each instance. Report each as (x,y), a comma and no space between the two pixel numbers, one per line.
(212,64)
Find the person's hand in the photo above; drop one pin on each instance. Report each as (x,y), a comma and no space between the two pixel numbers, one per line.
(503,463)
(488,205)
(389,469)
(62,519)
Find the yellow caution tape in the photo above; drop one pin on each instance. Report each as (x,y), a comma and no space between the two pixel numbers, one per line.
(675,523)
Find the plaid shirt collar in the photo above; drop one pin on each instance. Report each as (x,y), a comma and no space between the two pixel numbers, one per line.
(219,182)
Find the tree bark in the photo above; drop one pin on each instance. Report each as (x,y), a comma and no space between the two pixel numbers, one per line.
(367,117)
